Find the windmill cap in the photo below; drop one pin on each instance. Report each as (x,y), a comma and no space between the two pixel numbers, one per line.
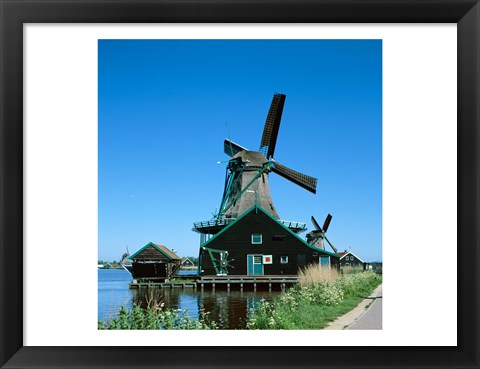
(252,158)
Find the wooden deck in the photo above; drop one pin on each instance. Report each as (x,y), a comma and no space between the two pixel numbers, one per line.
(228,282)
(137,285)
(242,282)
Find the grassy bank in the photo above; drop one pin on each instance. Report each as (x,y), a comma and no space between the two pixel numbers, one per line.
(321,296)
(144,319)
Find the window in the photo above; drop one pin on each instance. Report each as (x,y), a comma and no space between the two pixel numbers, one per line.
(256,238)
(283,259)
(324,261)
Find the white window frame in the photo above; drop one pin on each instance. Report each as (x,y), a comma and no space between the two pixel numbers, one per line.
(283,259)
(261,238)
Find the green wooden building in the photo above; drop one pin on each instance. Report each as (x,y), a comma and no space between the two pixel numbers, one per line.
(258,244)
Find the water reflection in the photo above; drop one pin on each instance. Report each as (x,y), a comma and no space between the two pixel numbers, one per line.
(228,308)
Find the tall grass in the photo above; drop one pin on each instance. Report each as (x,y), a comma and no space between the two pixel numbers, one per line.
(314,274)
(352,269)
(321,296)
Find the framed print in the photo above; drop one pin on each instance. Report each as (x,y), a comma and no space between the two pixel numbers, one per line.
(64,62)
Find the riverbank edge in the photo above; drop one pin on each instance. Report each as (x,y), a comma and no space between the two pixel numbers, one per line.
(346,320)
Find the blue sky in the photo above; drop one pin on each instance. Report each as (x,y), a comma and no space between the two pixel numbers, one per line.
(165,107)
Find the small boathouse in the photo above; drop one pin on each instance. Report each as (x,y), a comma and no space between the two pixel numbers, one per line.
(154,263)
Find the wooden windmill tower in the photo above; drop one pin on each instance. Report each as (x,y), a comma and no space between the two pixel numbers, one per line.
(246,180)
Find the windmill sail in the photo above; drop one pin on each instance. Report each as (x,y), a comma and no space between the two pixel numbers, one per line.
(231,148)
(272,125)
(327,222)
(315,224)
(333,247)
(307,182)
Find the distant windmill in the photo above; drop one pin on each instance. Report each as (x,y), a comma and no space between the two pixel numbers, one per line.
(246,182)
(316,237)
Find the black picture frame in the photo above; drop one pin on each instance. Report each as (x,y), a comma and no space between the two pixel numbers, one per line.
(15,13)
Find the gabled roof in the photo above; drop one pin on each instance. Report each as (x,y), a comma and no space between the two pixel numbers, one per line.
(276,221)
(345,253)
(165,251)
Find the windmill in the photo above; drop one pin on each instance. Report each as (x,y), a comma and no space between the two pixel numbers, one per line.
(246,180)
(242,238)
(316,237)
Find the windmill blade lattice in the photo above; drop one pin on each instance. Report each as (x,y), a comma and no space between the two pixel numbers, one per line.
(307,182)
(272,125)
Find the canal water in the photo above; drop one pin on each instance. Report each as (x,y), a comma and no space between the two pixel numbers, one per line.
(228,309)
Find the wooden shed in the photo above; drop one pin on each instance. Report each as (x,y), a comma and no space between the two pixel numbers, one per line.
(258,244)
(154,263)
